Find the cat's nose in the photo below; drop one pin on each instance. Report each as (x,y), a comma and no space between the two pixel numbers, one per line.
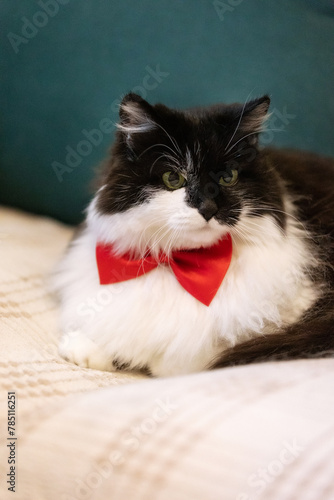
(208,209)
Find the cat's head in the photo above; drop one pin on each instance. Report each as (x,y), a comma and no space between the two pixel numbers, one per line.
(183,179)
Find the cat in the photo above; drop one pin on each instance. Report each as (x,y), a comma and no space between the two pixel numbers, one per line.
(254,224)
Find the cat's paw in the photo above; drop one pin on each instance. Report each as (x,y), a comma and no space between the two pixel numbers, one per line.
(80,350)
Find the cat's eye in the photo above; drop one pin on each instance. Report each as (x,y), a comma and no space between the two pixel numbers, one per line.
(173,180)
(230,178)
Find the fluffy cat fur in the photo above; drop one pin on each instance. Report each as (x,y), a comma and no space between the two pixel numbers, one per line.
(276,301)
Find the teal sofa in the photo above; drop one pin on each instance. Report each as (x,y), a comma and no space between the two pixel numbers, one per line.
(65,65)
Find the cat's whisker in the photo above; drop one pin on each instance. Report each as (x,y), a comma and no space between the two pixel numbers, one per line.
(157,246)
(253,133)
(240,118)
(259,228)
(241,236)
(287,214)
(171,158)
(157,237)
(143,235)
(149,250)
(157,145)
(174,237)
(249,230)
(155,161)
(243,137)
(156,220)
(173,141)
(242,233)
(251,219)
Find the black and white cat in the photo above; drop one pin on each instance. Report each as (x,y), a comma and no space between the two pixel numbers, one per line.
(189,181)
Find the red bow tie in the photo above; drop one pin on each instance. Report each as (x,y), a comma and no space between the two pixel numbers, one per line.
(200,271)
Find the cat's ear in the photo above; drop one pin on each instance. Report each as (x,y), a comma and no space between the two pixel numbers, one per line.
(136,115)
(254,114)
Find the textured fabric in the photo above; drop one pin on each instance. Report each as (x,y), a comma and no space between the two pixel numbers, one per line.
(62,81)
(200,271)
(255,432)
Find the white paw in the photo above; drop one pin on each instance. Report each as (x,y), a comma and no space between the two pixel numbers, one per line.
(80,350)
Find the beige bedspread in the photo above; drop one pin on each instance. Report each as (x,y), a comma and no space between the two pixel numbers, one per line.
(254,432)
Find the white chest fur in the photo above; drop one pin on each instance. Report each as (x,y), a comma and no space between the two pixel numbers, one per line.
(153,321)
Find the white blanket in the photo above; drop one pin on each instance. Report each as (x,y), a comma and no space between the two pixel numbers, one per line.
(255,432)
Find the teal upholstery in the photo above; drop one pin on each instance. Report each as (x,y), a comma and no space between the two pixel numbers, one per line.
(65,64)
